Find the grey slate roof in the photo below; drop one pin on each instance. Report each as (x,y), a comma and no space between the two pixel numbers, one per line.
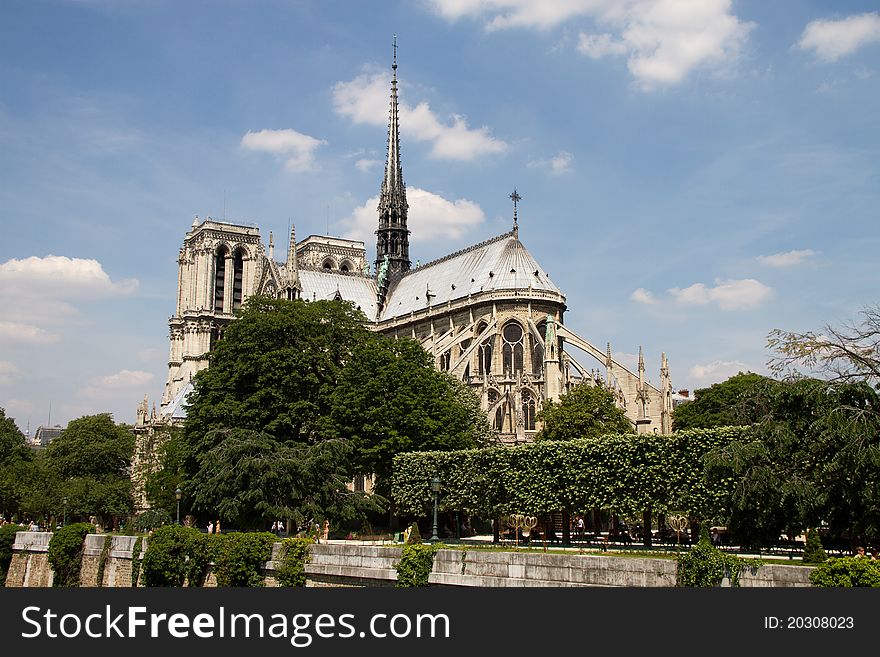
(319,284)
(501,263)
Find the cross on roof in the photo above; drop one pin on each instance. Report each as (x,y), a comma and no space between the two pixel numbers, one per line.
(516,198)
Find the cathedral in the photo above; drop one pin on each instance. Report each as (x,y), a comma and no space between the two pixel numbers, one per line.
(489,314)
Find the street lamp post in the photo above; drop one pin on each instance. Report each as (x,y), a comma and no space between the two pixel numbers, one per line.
(435,486)
(64,522)
(178,494)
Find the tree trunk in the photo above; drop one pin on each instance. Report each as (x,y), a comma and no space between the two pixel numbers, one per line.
(646,528)
(566,527)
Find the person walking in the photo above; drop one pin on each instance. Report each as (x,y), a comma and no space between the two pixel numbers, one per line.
(210,527)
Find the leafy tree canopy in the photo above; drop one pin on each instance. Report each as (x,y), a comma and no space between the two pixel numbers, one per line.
(736,401)
(249,477)
(275,369)
(813,459)
(390,399)
(16,466)
(89,465)
(12,441)
(585,412)
(92,446)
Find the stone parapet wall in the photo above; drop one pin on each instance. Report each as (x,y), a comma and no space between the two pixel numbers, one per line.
(495,568)
(30,562)
(353,565)
(334,564)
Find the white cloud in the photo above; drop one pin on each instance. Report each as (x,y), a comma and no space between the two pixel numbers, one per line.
(103,387)
(7,372)
(366,165)
(786,259)
(717,371)
(25,333)
(832,39)
(503,14)
(297,149)
(664,40)
(430,217)
(38,293)
(366,100)
(125,379)
(643,296)
(559,164)
(60,276)
(732,294)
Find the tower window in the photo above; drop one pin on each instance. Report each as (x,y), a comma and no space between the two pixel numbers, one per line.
(219,279)
(237,279)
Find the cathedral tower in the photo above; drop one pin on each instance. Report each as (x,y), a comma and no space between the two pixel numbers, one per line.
(392,238)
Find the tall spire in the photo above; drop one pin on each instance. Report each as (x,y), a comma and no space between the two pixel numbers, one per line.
(392,237)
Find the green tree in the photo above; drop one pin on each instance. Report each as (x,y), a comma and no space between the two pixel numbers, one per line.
(250,479)
(16,462)
(585,412)
(814,458)
(736,401)
(91,461)
(274,371)
(390,399)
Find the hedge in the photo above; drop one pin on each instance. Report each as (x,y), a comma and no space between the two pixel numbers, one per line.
(627,474)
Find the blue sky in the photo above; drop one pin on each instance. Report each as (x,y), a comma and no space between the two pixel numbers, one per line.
(694,173)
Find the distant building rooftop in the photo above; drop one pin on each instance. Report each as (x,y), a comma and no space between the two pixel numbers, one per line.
(45,435)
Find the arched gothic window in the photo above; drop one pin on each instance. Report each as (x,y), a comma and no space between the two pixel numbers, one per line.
(528,407)
(537,357)
(219,278)
(237,278)
(484,364)
(445,360)
(512,348)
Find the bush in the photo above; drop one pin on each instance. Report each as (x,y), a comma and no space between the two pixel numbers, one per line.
(165,561)
(200,550)
(813,550)
(66,553)
(847,572)
(240,558)
(7,538)
(415,564)
(293,557)
(705,565)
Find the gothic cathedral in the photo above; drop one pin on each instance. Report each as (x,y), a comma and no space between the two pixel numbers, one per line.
(489,314)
